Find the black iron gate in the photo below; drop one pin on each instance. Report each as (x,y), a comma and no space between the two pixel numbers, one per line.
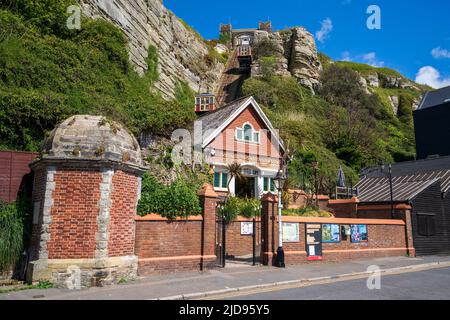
(250,235)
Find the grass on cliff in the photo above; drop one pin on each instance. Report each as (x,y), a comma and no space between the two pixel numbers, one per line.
(341,126)
(48,73)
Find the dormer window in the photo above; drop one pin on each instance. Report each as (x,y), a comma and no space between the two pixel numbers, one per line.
(247,134)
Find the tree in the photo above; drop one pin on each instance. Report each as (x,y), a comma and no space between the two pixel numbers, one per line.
(341,86)
(234,171)
(268,66)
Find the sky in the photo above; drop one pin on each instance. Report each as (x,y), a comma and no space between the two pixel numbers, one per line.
(414,35)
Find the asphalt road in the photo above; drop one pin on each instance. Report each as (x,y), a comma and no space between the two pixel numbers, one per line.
(424,285)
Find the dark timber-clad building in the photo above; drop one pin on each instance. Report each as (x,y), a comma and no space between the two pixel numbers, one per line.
(423,184)
(432,124)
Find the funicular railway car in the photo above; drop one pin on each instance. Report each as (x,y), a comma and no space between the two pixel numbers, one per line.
(205,102)
(244,55)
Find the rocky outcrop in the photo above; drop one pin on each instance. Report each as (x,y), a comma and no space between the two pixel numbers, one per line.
(282,62)
(182,52)
(364,85)
(395,103)
(304,63)
(296,53)
(373,80)
(379,80)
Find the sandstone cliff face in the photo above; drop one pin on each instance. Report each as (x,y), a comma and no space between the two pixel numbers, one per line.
(147,22)
(296,54)
(304,63)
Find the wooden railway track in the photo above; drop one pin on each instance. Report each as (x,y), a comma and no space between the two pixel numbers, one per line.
(230,87)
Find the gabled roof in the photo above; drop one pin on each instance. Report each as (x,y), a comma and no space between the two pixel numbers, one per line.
(435,98)
(216,121)
(409,179)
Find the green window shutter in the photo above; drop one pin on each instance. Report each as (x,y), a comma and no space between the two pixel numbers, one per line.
(266,184)
(217,180)
(272,185)
(224,180)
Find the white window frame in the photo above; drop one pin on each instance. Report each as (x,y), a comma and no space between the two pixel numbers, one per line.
(221,173)
(252,136)
(269,184)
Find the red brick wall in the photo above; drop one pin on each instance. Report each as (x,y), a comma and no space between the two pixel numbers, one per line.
(123,210)
(344,208)
(386,238)
(40,177)
(74,214)
(156,239)
(163,246)
(374,214)
(384,241)
(240,245)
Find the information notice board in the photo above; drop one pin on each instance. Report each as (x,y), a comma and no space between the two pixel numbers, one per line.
(314,241)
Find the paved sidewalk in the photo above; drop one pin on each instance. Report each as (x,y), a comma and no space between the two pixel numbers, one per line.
(235,276)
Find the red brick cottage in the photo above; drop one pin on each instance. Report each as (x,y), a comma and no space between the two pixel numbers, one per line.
(241,133)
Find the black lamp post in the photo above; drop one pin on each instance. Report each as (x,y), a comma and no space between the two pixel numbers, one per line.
(280,179)
(391,189)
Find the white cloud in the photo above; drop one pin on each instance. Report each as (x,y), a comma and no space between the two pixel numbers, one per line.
(346,56)
(325,30)
(371,59)
(368,58)
(438,53)
(432,77)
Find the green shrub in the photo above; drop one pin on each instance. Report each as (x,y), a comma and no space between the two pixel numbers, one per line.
(177,200)
(213,57)
(225,38)
(46,76)
(49,16)
(234,207)
(308,212)
(268,66)
(152,63)
(266,47)
(13,223)
(185,96)
(251,208)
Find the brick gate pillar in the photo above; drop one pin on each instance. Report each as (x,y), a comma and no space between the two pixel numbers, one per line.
(269,228)
(407,217)
(208,201)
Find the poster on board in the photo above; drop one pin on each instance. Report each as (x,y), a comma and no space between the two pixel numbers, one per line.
(291,232)
(359,233)
(331,233)
(314,242)
(246,228)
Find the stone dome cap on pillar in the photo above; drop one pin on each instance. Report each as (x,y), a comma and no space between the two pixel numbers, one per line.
(92,138)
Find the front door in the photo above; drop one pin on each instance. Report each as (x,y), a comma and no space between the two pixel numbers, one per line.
(245,187)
